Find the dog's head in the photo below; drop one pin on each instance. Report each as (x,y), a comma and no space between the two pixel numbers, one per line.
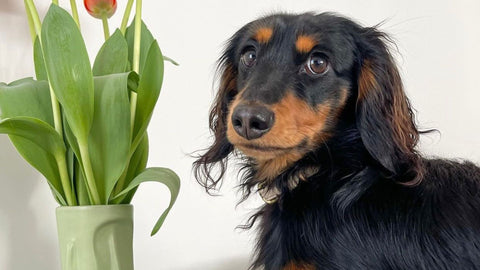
(288,81)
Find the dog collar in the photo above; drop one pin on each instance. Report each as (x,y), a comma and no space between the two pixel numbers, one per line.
(271,193)
(268,195)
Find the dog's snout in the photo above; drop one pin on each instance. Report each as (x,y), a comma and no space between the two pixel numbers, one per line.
(252,121)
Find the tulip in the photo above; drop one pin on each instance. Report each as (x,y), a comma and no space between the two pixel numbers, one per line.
(101,9)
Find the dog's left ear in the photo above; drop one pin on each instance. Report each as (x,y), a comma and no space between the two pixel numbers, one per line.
(383,112)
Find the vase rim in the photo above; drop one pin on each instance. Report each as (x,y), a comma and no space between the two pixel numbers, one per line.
(96,206)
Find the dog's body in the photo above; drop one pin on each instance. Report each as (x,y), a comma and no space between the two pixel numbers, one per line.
(316,105)
(365,221)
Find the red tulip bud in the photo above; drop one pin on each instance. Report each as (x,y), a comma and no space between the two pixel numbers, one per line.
(101,8)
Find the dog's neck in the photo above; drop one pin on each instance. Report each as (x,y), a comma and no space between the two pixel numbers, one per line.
(271,193)
(341,156)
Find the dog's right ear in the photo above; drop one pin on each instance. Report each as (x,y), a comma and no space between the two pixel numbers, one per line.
(217,154)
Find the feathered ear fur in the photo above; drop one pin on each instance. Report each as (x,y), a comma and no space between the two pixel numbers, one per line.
(384,115)
(218,152)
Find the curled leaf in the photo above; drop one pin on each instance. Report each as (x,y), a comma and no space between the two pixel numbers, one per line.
(161,175)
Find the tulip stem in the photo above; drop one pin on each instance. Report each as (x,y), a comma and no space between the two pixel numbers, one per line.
(89,176)
(126,16)
(31,24)
(55,2)
(57,117)
(65,179)
(33,16)
(136,59)
(137,37)
(119,186)
(133,95)
(36,28)
(73,5)
(106,31)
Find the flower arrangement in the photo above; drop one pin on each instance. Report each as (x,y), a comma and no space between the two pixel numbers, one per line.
(82,126)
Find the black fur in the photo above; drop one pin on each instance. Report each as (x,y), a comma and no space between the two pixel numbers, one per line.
(375,203)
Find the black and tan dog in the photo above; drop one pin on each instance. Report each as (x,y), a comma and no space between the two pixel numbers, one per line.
(316,105)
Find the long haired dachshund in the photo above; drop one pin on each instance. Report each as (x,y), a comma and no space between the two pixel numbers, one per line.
(314,106)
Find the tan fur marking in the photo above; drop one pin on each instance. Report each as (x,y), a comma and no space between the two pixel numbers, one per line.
(341,102)
(343,97)
(305,44)
(263,35)
(366,81)
(229,80)
(269,169)
(295,266)
(296,123)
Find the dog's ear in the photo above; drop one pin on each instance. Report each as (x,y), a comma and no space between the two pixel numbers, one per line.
(383,113)
(217,153)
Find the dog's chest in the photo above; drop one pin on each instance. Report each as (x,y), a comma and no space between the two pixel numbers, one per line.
(311,237)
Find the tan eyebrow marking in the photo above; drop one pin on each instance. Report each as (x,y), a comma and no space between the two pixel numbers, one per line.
(304,43)
(263,35)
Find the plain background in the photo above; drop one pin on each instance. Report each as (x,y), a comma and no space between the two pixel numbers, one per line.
(439,44)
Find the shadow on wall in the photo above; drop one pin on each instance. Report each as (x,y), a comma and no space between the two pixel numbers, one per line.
(12,6)
(25,244)
(226,264)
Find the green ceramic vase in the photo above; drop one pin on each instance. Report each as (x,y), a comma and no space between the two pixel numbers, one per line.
(96,237)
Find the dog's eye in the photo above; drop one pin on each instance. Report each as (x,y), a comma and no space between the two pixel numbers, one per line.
(317,64)
(249,57)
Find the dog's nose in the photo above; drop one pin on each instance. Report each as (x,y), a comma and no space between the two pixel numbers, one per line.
(252,121)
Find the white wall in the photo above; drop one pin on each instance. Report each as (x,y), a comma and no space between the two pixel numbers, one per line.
(439,42)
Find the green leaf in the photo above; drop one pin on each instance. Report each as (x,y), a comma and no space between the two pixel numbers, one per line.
(68,69)
(38,61)
(112,57)
(36,131)
(43,162)
(83,197)
(58,197)
(30,98)
(146,40)
(110,137)
(161,175)
(18,82)
(71,140)
(133,81)
(70,158)
(148,91)
(26,97)
(168,59)
(42,135)
(137,164)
